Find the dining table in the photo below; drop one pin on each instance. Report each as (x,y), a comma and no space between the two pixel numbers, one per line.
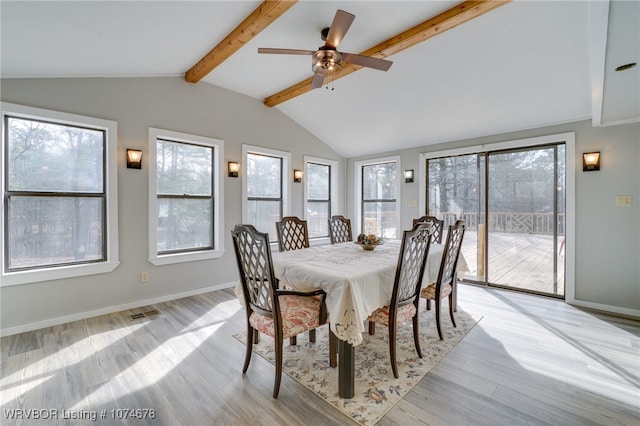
(357,282)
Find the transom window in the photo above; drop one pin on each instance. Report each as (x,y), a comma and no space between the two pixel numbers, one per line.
(57,194)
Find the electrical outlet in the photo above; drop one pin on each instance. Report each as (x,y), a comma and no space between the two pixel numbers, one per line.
(144,277)
(623,200)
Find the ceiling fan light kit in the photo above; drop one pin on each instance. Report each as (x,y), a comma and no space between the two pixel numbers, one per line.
(327,60)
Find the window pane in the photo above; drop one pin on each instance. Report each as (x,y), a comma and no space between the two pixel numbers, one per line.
(317,181)
(380,219)
(54,157)
(456,191)
(184,168)
(379,182)
(521,225)
(318,219)
(264,215)
(46,231)
(184,224)
(264,176)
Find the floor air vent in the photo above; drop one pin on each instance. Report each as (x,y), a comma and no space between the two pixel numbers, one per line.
(149,313)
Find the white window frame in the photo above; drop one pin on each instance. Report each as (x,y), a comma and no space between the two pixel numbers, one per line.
(334,196)
(357,173)
(218,196)
(569,140)
(111,166)
(286,173)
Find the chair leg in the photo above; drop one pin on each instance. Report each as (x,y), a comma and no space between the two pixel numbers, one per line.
(247,357)
(312,335)
(372,328)
(438,319)
(278,349)
(256,336)
(428,304)
(451,309)
(416,334)
(333,349)
(392,348)
(293,340)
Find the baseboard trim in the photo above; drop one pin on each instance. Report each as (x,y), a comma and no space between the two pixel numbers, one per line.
(36,325)
(607,308)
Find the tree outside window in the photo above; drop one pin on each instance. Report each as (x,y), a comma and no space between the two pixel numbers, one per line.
(318,180)
(55,192)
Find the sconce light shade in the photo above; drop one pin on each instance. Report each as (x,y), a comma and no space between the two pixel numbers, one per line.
(134,159)
(408,176)
(590,161)
(234,168)
(297,175)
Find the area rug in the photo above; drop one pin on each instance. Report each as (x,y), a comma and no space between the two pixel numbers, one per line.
(376,390)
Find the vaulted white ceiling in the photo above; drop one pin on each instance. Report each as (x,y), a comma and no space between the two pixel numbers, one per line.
(524,65)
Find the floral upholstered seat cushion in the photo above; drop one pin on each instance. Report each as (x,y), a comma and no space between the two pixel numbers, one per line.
(429,292)
(299,314)
(381,315)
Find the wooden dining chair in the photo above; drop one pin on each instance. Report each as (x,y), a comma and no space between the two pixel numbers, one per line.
(276,312)
(437,227)
(340,229)
(443,287)
(406,289)
(293,233)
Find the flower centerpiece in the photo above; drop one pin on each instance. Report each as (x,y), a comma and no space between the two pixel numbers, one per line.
(369,242)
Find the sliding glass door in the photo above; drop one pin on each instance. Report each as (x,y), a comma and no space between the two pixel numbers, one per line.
(513,203)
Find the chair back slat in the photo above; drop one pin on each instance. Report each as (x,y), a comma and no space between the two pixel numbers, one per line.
(411,264)
(437,227)
(451,253)
(253,255)
(293,233)
(340,229)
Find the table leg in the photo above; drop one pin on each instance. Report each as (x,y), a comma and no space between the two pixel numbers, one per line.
(346,373)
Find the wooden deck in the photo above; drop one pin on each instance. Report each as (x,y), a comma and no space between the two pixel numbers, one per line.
(519,260)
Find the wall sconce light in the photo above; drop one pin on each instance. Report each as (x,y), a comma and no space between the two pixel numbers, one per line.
(234,168)
(134,159)
(297,175)
(590,161)
(408,176)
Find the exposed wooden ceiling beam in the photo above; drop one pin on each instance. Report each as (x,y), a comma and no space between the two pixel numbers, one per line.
(430,28)
(257,21)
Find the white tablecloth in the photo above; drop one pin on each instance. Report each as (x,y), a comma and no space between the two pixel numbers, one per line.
(356,281)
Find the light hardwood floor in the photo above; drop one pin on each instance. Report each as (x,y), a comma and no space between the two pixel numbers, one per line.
(530,361)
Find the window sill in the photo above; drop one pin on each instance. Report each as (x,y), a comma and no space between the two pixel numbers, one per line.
(169,259)
(61,272)
(319,241)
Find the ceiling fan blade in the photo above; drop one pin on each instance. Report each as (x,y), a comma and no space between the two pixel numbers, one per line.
(285,51)
(367,61)
(339,27)
(318,80)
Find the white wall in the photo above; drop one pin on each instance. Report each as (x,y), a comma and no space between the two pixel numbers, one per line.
(607,246)
(137,104)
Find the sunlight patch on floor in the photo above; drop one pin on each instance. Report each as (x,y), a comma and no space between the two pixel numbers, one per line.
(155,365)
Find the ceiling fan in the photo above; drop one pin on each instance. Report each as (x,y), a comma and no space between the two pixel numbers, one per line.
(327,59)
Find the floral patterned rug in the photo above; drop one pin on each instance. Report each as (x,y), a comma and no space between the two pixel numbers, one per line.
(376,390)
